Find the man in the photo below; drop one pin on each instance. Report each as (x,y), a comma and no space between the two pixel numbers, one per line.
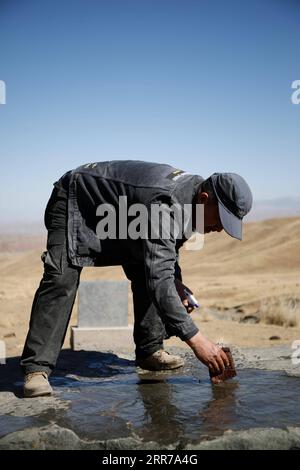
(151,263)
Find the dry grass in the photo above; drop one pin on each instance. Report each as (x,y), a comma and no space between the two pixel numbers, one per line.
(280,311)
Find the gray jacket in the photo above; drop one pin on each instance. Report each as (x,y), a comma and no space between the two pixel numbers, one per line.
(147,183)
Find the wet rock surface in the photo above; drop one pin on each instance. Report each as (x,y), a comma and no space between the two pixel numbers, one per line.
(102,401)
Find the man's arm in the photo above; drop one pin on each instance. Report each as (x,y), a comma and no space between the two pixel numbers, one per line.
(177,268)
(160,260)
(159,264)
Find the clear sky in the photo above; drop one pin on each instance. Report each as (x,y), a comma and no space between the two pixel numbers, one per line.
(203,85)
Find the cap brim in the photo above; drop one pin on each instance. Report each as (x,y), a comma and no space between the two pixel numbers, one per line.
(231,224)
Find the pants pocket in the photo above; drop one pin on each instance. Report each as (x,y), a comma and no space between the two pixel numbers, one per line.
(53,259)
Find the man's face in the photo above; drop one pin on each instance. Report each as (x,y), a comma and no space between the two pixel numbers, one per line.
(212,222)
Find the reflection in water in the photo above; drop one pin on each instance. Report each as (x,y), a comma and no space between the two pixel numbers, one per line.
(161,414)
(221,412)
(171,414)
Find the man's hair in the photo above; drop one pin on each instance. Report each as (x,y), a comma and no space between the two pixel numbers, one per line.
(207,187)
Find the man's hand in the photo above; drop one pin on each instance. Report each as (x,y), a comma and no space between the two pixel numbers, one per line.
(208,353)
(180,289)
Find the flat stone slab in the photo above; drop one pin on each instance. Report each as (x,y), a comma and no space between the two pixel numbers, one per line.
(102,339)
(103,304)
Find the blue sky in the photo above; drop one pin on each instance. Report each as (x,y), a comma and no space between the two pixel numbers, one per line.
(202,85)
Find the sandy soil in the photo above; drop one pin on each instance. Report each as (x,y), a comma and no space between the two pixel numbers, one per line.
(230,278)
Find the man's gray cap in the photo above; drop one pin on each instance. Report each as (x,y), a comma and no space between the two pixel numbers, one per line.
(234,199)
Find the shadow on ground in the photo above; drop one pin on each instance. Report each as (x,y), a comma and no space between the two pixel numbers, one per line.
(86,364)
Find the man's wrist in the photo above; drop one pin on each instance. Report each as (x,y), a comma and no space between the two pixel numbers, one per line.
(190,333)
(195,340)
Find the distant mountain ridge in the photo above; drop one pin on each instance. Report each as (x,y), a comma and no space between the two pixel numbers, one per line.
(274,208)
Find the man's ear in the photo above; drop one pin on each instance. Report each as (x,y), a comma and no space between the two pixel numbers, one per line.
(202,198)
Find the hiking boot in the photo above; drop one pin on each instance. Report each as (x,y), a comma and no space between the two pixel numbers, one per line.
(36,384)
(160,360)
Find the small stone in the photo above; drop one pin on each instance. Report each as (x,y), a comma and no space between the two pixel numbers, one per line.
(249,319)
(240,310)
(274,338)
(10,335)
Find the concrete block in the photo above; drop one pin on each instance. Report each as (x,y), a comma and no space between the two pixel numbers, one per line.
(103,304)
(102,339)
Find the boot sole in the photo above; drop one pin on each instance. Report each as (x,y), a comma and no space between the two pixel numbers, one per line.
(37,394)
(166,367)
